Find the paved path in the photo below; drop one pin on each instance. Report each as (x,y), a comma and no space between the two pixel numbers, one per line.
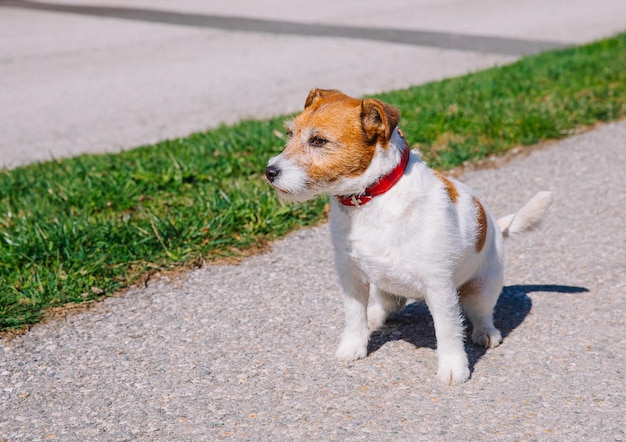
(245,352)
(93,76)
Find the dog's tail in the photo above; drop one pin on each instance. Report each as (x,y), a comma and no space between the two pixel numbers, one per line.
(528,217)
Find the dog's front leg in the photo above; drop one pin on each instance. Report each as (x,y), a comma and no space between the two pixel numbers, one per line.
(445,310)
(355,336)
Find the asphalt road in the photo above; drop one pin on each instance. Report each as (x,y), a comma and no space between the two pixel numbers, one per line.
(104,75)
(245,352)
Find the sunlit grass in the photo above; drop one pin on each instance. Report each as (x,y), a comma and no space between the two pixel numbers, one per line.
(81,228)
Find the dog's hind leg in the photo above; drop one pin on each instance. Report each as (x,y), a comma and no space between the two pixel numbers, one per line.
(478,298)
(384,305)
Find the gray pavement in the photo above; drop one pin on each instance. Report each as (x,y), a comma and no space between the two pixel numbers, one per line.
(245,352)
(106,75)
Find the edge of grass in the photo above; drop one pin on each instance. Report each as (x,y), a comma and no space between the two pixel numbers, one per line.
(79,229)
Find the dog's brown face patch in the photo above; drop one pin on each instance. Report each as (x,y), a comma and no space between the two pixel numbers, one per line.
(481,221)
(453,194)
(336,135)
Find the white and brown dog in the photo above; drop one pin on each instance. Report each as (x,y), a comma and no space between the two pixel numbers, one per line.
(400,230)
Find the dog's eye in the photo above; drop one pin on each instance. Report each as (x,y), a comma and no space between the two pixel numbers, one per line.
(288,132)
(317,141)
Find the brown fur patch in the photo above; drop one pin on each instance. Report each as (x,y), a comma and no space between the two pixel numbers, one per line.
(481,220)
(379,120)
(335,118)
(470,288)
(453,194)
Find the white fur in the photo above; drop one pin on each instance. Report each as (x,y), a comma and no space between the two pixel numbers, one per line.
(292,184)
(414,242)
(528,217)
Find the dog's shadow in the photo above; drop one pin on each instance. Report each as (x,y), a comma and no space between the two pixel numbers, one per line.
(415,325)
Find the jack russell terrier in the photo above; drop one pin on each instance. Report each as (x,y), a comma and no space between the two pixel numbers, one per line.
(400,230)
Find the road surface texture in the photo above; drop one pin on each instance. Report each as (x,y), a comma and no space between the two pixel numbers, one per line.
(104,75)
(245,352)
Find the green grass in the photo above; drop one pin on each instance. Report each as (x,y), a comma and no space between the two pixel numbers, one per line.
(79,229)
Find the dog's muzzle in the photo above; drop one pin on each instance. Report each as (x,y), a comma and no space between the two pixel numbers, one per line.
(272,172)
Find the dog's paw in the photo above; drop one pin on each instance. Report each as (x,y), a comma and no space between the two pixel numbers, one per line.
(453,371)
(351,350)
(376,317)
(487,338)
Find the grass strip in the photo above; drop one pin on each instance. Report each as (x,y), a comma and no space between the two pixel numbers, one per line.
(78,229)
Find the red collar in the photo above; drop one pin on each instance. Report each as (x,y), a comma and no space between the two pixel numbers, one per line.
(381,186)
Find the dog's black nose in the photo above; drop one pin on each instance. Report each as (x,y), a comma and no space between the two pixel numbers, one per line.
(271,172)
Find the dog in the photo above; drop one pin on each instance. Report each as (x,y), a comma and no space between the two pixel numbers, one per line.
(399,229)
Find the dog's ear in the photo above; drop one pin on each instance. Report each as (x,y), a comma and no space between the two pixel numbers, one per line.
(319,93)
(378,119)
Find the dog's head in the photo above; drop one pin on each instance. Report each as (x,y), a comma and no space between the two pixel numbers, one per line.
(332,146)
